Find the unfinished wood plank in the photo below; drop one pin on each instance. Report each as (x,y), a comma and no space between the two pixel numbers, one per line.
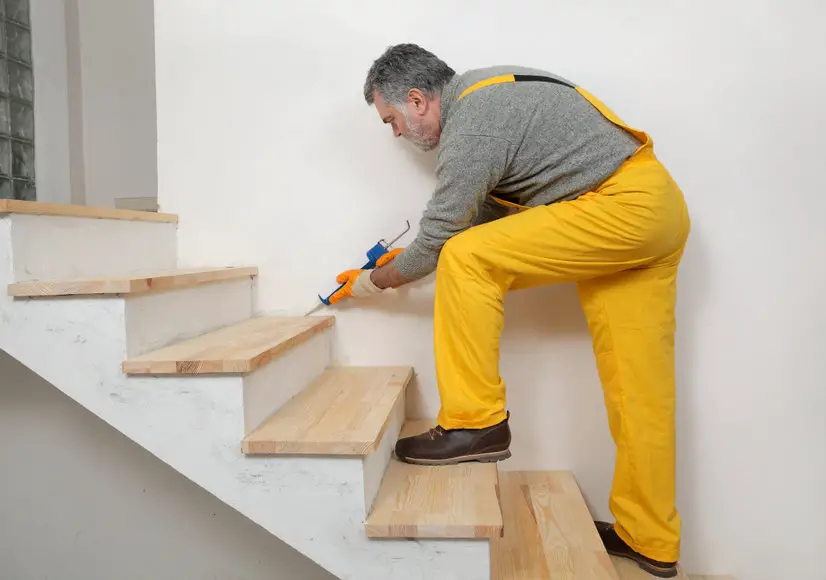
(130,284)
(518,554)
(9,206)
(238,348)
(450,501)
(628,570)
(344,412)
(549,533)
(415,426)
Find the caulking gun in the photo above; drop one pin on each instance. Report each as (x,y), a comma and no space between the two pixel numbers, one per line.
(373,254)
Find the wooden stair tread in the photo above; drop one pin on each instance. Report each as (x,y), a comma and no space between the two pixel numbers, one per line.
(452,501)
(238,348)
(131,284)
(548,531)
(9,206)
(344,412)
(628,570)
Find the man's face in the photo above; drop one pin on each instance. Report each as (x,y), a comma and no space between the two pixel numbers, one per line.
(413,122)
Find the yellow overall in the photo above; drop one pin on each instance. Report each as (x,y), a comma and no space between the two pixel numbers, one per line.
(622,245)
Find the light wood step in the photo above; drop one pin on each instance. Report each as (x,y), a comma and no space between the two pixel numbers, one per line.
(628,570)
(344,412)
(10,206)
(453,501)
(131,284)
(238,348)
(549,532)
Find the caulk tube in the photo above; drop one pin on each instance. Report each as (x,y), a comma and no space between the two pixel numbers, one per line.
(373,254)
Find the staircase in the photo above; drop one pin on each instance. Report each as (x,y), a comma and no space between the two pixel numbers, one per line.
(252,408)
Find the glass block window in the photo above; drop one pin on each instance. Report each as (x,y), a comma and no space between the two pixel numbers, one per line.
(17,179)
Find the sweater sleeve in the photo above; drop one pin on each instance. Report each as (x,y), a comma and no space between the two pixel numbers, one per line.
(469,166)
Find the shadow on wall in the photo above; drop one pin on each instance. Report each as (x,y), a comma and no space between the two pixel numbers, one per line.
(694,282)
(554,394)
(424,162)
(553,309)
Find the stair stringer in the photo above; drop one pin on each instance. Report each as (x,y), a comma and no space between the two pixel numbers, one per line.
(196,424)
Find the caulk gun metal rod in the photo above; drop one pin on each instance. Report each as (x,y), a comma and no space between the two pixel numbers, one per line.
(397,238)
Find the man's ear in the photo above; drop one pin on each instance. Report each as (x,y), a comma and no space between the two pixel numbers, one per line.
(418,100)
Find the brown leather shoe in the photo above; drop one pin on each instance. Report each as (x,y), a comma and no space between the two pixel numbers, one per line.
(616,547)
(448,446)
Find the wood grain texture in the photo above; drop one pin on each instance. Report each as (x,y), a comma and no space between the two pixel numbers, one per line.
(130,284)
(628,570)
(549,533)
(9,206)
(451,501)
(238,348)
(415,426)
(344,412)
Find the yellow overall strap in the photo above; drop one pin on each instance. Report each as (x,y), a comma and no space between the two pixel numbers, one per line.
(511,79)
(605,111)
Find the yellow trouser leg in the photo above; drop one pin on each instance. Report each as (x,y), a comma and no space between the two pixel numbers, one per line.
(635,222)
(631,318)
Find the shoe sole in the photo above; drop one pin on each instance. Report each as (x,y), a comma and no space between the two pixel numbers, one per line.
(492,457)
(651,569)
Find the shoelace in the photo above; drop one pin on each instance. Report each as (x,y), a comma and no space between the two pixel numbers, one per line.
(434,432)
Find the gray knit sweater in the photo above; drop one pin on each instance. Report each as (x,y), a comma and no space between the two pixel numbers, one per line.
(530,143)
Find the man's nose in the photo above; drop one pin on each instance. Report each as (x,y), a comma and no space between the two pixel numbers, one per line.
(396,132)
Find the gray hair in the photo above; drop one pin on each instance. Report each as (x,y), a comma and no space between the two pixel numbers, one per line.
(403,67)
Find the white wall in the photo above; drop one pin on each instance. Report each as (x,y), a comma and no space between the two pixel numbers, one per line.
(74,70)
(95,100)
(116,53)
(51,123)
(271,157)
(79,501)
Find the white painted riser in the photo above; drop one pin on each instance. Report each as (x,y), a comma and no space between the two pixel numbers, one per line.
(53,247)
(158,319)
(196,424)
(267,389)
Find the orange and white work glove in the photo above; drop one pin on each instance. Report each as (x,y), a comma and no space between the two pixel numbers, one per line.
(388,257)
(357,283)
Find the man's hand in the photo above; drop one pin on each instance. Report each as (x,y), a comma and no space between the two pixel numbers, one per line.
(361,283)
(386,275)
(357,284)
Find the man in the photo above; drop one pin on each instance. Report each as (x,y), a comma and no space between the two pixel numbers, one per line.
(539,183)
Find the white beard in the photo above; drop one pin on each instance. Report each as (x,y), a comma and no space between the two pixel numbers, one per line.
(416,134)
